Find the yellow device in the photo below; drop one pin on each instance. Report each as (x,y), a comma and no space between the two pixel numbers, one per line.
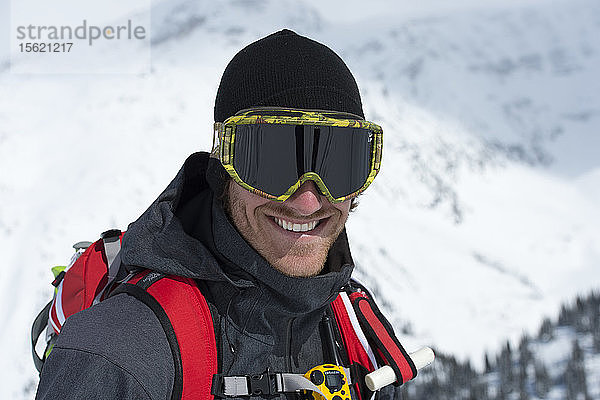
(331,380)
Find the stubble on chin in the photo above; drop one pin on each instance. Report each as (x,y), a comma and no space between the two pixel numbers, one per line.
(299,260)
(302,260)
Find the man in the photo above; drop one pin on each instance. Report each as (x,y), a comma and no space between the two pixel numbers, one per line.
(270,260)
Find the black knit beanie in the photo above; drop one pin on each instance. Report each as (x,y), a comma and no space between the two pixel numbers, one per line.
(283,69)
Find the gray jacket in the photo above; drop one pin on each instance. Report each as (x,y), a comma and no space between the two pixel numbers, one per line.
(264,319)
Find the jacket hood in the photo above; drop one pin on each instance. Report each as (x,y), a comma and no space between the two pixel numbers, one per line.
(186,232)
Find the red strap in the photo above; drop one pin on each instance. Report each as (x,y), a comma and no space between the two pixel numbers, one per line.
(355,350)
(191,319)
(356,353)
(379,330)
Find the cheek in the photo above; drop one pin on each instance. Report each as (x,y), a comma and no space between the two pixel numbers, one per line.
(245,202)
(343,208)
(250,206)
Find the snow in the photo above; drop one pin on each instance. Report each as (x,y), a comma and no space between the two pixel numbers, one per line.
(483,220)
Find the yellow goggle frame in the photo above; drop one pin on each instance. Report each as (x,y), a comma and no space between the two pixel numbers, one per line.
(224,139)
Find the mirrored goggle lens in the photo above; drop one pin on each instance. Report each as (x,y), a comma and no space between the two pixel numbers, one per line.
(272,157)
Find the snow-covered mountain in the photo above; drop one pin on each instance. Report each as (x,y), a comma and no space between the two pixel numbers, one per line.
(484,217)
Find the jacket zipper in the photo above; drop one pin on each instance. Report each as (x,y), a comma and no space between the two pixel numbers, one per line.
(288,349)
(338,340)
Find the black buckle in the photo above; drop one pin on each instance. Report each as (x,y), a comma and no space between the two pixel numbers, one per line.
(262,384)
(217,386)
(58,279)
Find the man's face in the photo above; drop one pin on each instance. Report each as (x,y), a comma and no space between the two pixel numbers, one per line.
(296,253)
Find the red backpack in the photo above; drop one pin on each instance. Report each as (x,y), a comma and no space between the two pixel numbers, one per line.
(95,272)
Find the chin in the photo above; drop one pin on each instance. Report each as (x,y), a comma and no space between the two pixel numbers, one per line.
(298,266)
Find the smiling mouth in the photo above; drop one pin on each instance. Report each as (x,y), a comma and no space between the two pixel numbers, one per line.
(296,227)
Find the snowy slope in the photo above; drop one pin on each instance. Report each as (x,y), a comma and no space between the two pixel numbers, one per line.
(484,217)
(560,361)
(490,141)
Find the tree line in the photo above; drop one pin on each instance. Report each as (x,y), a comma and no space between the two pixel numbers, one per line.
(522,372)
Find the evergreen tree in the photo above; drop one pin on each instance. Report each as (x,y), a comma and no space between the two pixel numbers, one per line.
(596,332)
(575,376)
(582,315)
(505,369)
(488,364)
(525,358)
(565,317)
(522,382)
(546,330)
(542,380)
(579,304)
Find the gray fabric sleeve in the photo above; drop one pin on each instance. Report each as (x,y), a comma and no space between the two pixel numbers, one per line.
(76,374)
(116,349)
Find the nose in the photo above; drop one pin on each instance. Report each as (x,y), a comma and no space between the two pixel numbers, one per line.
(306,200)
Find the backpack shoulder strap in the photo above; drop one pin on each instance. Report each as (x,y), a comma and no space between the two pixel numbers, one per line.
(381,333)
(185,317)
(368,337)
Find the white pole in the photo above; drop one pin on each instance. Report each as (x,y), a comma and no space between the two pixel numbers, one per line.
(385,375)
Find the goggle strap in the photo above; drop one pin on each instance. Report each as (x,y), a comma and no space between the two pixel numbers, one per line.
(218,129)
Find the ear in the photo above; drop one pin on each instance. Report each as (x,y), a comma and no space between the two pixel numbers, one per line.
(353,203)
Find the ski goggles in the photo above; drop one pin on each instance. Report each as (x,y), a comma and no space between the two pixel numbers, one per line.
(272,151)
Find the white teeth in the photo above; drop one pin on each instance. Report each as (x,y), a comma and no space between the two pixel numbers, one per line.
(296,227)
